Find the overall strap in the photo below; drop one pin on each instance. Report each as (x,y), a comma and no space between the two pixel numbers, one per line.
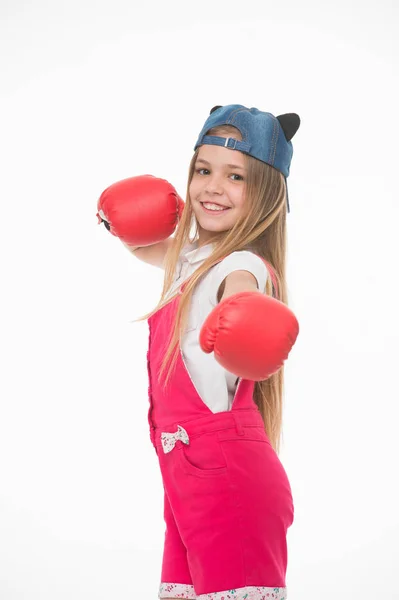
(273,277)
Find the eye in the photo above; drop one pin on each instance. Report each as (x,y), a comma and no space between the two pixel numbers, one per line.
(204,171)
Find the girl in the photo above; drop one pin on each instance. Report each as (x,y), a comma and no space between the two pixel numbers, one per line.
(215,370)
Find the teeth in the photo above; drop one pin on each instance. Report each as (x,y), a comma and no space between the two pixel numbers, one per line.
(212,206)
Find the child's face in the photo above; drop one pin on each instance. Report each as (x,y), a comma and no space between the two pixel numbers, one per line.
(216,181)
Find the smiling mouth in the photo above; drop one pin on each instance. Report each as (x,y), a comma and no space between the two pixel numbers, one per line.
(216,204)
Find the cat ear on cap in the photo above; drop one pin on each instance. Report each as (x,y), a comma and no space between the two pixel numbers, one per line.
(290,124)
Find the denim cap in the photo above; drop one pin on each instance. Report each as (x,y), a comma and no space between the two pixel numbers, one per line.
(264,136)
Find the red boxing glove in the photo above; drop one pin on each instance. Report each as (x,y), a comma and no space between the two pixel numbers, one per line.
(140,210)
(250,333)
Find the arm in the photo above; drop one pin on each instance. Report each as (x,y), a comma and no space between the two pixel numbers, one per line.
(239,271)
(237,281)
(131,249)
(153,254)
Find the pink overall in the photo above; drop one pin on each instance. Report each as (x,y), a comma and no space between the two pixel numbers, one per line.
(227,498)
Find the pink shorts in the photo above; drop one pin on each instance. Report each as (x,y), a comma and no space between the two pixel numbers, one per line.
(227,508)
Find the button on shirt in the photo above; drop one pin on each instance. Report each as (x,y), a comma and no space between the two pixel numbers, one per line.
(215,385)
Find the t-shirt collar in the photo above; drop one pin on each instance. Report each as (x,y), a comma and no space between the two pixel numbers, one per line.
(192,254)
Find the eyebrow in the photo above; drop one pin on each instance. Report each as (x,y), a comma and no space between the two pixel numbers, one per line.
(202,160)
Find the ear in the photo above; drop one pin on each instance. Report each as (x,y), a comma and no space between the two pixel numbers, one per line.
(214,108)
(290,124)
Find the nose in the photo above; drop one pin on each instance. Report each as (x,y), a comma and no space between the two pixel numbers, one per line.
(214,184)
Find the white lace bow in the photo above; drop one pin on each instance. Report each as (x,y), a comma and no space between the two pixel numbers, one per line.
(169,439)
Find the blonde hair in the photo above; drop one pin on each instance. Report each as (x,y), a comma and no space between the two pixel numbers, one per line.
(262,230)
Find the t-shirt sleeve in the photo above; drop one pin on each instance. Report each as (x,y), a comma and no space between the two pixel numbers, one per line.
(242,260)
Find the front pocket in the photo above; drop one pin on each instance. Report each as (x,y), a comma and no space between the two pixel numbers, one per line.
(203,457)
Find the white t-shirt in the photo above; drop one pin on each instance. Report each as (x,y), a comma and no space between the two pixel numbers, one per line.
(215,385)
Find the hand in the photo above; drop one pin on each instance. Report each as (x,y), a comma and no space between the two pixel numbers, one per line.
(250,333)
(140,210)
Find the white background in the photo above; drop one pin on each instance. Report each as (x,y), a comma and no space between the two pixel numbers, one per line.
(93,92)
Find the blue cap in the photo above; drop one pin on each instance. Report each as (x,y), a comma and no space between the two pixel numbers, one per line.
(264,136)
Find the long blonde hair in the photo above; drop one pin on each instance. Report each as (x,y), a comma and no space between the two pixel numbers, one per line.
(261,230)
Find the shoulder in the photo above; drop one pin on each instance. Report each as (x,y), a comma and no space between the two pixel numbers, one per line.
(244,260)
(242,256)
